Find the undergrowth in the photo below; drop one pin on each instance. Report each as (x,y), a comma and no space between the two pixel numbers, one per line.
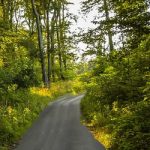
(117,101)
(21,107)
(120,128)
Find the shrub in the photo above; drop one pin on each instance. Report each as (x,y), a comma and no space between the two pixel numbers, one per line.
(22,106)
(133,129)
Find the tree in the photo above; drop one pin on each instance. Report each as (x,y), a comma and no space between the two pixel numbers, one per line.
(40,41)
(103,7)
(131,18)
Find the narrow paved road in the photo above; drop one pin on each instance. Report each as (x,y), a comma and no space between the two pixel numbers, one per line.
(59,128)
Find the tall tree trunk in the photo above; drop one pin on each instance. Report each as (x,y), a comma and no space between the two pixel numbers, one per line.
(48,47)
(6,12)
(59,55)
(59,38)
(63,38)
(111,47)
(53,21)
(40,42)
(53,66)
(11,15)
(17,21)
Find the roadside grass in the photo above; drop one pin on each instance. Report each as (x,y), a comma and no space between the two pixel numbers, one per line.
(119,128)
(101,134)
(23,106)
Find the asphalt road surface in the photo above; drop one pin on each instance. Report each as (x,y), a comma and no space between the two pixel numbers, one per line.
(59,128)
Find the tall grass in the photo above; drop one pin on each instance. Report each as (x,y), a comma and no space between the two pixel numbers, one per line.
(23,107)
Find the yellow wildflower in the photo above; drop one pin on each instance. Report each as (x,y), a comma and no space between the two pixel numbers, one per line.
(10,110)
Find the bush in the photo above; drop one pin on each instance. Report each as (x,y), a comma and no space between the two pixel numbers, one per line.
(117,101)
(22,106)
(133,129)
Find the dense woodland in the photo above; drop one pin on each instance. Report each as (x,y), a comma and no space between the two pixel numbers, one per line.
(38,62)
(117,102)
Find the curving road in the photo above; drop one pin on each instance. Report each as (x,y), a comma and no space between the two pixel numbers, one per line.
(59,128)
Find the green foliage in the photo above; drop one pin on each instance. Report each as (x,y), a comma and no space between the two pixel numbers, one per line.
(133,127)
(22,106)
(117,82)
(17,67)
(117,98)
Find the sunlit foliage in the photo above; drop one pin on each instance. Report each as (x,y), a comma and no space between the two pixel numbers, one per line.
(24,105)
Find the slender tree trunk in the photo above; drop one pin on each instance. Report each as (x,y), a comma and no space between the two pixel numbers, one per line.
(40,41)
(11,15)
(48,47)
(6,12)
(59,38)
(63,38)
(111,47)
(53,66)
(12,10)
(53,21)
(59,56)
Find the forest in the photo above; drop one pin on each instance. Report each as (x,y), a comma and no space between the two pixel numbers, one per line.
(39,62)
